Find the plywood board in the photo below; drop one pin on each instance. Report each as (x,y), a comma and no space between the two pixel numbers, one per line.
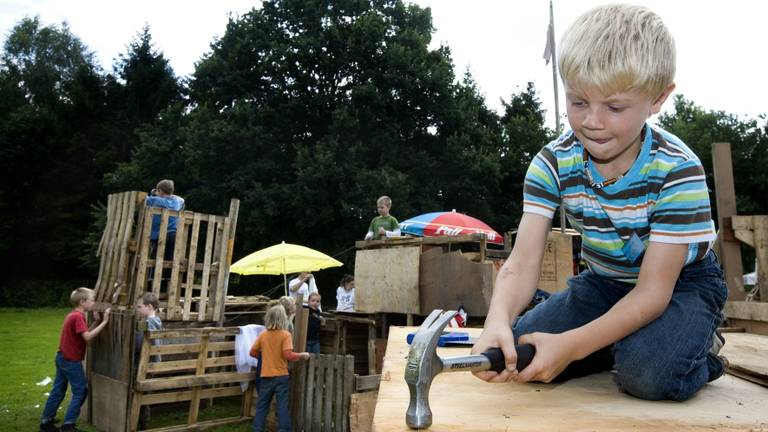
(448,279)
(109,399)
(461,402)
(747,353)
(557,262)
(388,280)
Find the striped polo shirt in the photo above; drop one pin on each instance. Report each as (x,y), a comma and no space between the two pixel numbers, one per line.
(662,198)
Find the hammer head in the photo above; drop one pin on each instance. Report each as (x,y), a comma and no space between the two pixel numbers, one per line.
(423,364)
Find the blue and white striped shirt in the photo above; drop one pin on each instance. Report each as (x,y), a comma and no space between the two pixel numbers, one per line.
(662,198)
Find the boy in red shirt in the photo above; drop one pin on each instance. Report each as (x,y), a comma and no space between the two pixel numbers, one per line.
(69,368)
(276,348)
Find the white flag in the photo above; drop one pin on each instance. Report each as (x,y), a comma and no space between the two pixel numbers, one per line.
(550,41)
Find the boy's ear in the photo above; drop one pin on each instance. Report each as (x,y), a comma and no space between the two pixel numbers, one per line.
(657,104)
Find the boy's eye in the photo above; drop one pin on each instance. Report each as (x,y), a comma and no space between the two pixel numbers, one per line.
(616,108)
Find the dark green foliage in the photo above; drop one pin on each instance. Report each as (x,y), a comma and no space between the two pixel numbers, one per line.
(699,128)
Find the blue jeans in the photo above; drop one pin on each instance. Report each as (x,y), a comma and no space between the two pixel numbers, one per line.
(273,386)
(313,347)
(66,372)
(669,358)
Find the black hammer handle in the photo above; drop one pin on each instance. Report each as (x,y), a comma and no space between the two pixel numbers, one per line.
(525,353)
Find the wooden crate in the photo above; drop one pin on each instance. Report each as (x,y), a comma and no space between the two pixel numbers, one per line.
(559,263)
(190,365)
(417,275)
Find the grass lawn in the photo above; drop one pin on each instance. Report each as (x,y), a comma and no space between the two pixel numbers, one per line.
(28,342)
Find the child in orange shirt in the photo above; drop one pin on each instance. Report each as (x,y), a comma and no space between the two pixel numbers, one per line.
(276,348)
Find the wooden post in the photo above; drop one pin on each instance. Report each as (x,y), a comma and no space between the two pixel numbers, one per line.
(760,226)
(726,207)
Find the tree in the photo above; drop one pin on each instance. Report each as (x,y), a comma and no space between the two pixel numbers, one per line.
(524,135)
(699,128)
(50,129)
(308,111)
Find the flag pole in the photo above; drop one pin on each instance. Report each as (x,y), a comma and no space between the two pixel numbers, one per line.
(553,54)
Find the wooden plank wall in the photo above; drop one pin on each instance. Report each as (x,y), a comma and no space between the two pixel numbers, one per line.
(321,389)
(191,364)
(391,279)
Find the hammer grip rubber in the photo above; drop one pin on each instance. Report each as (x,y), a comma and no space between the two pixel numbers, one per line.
(525,353)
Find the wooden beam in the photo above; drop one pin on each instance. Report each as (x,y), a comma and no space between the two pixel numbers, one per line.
(754,311)
(726,208)
(760,226)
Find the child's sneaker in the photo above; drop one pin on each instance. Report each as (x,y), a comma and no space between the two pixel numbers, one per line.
(717,344)
(49,427)
(69,427)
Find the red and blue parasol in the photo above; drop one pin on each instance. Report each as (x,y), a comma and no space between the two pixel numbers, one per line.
(450,224)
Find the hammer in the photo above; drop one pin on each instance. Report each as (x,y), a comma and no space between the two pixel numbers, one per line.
(424,364)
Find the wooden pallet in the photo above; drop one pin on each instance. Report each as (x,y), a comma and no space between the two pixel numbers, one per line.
(190,365)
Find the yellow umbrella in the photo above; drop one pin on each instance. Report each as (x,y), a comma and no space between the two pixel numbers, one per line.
(282,259)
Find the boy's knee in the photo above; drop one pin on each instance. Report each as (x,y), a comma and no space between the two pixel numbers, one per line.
(646,379)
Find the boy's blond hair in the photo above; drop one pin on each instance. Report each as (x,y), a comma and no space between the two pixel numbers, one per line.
(276,318)
(313,294)
(166,186)
(618,48)
(80,295)
(387,201)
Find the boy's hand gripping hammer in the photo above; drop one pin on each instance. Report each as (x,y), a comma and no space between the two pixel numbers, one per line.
(424,364)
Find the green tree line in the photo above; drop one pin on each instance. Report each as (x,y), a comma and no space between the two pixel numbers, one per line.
(306,111)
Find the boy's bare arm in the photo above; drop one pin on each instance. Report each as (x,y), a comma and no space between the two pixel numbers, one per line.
(97,327)
(661,267)
(514,289)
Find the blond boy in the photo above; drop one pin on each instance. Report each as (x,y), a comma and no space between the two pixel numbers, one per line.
(384,225)
(650,302)
(75,334)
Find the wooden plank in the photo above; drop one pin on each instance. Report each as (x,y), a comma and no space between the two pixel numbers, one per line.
(755,311)
(300,329)
(760,224)
(186,395)
(338,396)
(361,410)
(194,403)
(754,327)
(188,348)
(125,231)
(391,278)
(203,313)
(743,229)
(367,382)
(461,402)
(318,392)
(194,332)
(157,275)
(349,373)
(109,403)
(169,383)
(329,389)
(102,281)
(223,273)
(174,310)
(726,208)
(309,393)
(203,425)
(191,269)
(747,353)
(182,365)
(448,279)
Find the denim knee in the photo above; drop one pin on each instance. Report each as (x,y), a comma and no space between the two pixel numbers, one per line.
(645,380)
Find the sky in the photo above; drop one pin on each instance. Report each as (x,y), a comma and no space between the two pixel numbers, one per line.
(721,60)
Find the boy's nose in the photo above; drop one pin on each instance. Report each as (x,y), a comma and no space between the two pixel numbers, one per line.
(593,119)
